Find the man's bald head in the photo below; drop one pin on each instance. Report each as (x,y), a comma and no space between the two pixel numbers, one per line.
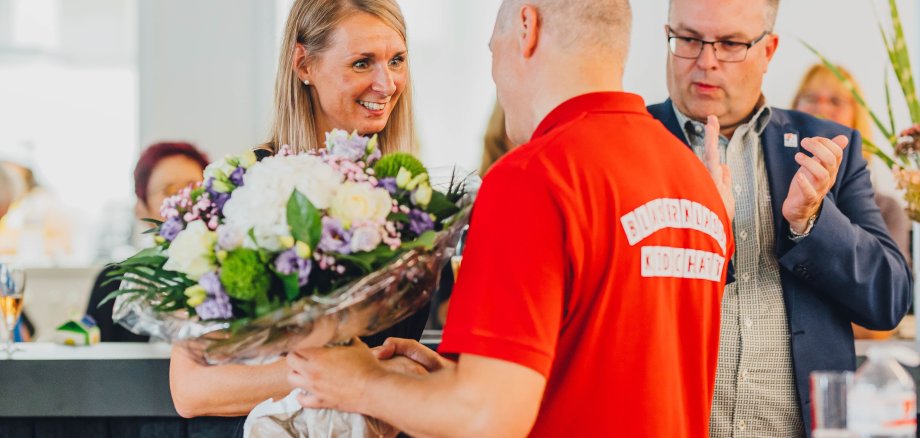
(580,24)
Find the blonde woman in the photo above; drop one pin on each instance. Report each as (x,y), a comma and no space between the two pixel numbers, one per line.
(343,65)
(496,142)
(822,94)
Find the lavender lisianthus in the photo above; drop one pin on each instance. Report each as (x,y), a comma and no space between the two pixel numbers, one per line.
(237,176)
(420,222)
(388,184)
(218,198)
(288,262)
(171,228)
(341,144)
(335,238)
(217,305)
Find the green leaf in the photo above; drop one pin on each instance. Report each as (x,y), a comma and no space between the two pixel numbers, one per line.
(425,241)
(368,261)
(870,147)
(888,103)
(304,219)
(291,285)
(441,207)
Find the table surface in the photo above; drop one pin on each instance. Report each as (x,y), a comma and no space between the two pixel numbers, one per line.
(103,351)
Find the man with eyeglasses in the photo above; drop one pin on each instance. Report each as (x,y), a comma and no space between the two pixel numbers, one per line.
(813,253)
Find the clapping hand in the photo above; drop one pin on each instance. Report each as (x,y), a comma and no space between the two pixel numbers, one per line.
(815,177)
(718,170)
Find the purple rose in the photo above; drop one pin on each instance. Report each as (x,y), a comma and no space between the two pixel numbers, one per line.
(171,228)
(335,237)
(420,222)
(288,263)
(217,305)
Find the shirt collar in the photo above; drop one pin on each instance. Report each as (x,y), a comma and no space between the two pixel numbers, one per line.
(608,101)
(693,128)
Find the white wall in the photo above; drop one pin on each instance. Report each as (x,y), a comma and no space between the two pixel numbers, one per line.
(207,66)
(206,69)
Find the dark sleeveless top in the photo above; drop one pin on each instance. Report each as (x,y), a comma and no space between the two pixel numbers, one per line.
(409,328)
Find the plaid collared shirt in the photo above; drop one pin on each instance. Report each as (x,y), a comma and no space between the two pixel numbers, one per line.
(755,392)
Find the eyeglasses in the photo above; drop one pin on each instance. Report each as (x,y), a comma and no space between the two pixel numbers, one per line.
(725,50)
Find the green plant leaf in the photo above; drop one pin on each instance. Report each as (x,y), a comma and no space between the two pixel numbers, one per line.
(291,285)
(441,206)
(425,241)
(368,261)
(304,219)
(859,99)
(871,147)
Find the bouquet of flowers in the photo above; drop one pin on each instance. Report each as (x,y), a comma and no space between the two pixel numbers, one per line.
(905,164)
(317,247)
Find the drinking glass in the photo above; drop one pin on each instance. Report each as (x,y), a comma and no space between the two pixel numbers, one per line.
(829,403)
(12,292)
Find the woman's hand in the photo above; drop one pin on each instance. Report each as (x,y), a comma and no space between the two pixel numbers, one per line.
(413,350)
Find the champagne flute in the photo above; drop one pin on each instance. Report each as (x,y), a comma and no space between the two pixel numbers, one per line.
(12,291)
(458,253)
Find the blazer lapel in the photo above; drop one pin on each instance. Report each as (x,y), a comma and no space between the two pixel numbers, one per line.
(781,167)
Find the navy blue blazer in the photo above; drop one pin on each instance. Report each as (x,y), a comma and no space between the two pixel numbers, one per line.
(847,269)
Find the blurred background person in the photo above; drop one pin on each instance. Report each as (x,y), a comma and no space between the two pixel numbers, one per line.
(37,229)
(495,145)
(161,171)
(10,189)
(823,95)
(496,142)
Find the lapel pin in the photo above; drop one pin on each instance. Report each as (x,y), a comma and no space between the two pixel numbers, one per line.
(791,140)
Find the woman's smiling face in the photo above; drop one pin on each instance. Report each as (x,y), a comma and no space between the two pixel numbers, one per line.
(359,78)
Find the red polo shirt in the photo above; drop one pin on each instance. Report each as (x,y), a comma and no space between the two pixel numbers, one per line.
(596,256)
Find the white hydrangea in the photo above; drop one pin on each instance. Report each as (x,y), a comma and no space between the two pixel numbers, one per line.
(261,204)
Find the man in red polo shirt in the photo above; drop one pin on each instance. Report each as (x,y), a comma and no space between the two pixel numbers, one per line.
(588,302)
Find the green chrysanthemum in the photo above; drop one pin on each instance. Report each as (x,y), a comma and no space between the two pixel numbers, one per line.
(244,275)
(389,165)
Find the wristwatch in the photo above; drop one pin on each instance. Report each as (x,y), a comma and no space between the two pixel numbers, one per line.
(808,226)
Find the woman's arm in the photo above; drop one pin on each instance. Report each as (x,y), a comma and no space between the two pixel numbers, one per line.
(223,390)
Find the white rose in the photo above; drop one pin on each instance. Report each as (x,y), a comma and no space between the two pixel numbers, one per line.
(192,251)
(365,238)
(355,202)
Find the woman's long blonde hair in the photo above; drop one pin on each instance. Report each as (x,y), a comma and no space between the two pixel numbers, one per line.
(495,142)
(311,24)
(860,120)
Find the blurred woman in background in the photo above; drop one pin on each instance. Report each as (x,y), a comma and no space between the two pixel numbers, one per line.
(161,171)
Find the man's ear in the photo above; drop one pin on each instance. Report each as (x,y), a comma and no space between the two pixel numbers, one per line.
(531,27)
(772,44)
